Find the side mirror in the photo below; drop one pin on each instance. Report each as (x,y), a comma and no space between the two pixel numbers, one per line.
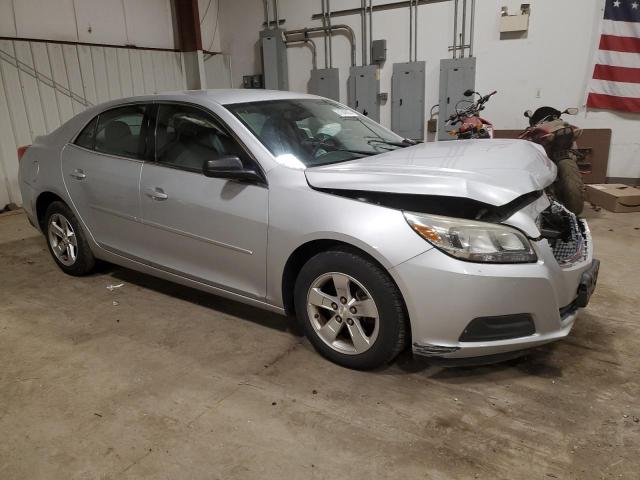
(229,167)
(571,111)
(468,93)
(528,114)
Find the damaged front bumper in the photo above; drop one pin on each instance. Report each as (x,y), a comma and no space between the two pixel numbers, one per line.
(462,310)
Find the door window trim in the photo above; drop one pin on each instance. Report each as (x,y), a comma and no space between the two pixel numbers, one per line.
(153,116)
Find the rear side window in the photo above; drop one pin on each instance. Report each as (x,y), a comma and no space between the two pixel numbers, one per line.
(120,131)
(87,137)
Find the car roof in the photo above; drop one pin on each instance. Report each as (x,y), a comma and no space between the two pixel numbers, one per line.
(226,96)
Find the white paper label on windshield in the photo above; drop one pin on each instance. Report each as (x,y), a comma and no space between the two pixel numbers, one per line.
(343,112)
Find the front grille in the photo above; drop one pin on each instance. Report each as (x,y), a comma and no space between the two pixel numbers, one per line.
(568,235)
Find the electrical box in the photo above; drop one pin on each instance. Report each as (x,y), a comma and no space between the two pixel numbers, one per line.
(515,23)
(363,89)
(407,99)
(378,51)
(325,82)
(274,59)
(456,76)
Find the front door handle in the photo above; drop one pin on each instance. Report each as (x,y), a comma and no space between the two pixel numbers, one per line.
(157,194)
(78,174)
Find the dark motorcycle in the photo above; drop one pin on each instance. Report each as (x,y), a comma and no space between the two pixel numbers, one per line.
(558,137)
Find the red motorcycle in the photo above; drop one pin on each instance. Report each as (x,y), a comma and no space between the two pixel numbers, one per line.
(472,125)
(547,128)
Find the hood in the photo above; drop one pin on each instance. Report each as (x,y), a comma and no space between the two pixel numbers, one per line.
(489,171)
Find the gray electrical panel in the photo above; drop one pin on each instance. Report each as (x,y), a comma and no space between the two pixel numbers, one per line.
(407,99)
(274,59)
(363,90)
(325,82)
(456,76)
(379,51)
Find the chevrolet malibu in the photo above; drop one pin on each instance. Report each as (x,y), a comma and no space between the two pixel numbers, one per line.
(299,205)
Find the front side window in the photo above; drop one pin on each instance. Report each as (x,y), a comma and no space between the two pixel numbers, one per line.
(121,132)
(315,131)
(186,137)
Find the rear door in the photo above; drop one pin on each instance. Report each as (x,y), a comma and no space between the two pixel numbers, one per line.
(209,229)
(101,171)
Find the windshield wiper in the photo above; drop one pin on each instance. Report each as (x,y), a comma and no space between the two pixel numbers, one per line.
(404,143)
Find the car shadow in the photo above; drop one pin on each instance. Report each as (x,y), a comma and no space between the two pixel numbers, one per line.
(207,300)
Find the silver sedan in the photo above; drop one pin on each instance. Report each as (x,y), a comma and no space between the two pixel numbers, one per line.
(300,205)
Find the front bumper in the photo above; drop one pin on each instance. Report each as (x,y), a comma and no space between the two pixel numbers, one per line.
(443,295)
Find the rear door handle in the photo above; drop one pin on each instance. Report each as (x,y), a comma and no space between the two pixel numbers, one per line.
(78,174)
(157,194)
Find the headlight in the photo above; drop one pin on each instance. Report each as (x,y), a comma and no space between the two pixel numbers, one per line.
(473,241)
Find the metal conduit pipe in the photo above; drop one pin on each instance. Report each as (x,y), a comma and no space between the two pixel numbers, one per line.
(363,28)
(330,37)
(471,26)
(309,43)
(324,28)
(410,30)
(464,26)
(371,29)
(455,28)
(415,32)
(275,13)
(334,28)
(266,12)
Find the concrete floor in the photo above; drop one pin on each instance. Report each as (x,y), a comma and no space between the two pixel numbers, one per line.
(153,380)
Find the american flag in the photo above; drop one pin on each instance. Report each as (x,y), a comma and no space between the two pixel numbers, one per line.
(615,84)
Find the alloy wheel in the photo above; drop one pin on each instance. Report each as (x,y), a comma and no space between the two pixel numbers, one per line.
(62,239)
(343,313)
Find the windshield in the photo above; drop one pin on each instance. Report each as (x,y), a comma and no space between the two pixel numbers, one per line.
(312,132)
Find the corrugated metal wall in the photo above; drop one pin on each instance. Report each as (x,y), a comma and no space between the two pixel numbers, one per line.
(44,84)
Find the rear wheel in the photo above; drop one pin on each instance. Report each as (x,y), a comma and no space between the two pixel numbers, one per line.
(66,241)
(569,186)
(350,309)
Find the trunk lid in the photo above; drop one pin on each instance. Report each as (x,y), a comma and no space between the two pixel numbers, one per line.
(490,171)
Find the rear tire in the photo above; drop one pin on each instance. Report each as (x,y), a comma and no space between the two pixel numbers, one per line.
(350,309)
(66,241)
(569,186)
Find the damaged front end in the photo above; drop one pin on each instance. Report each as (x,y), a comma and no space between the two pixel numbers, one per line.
(568,236)
(457,207)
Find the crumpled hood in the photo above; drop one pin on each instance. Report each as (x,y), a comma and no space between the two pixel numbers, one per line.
(490,171)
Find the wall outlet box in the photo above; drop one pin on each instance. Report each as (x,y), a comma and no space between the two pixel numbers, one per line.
(515,23)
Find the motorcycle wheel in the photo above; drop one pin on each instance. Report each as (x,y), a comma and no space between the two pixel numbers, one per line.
(569,188)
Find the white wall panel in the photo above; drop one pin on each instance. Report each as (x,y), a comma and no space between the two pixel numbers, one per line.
(86,73)
(60,77)
(44,84)
(71,64)
(124,70)
(47,93)
(93,21)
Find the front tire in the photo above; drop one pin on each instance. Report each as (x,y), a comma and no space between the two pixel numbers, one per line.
(351,310)
(66,241)
(569,186)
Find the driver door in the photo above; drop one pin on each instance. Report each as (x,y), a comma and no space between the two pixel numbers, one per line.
(211,230)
